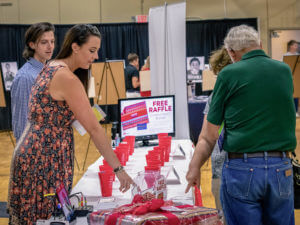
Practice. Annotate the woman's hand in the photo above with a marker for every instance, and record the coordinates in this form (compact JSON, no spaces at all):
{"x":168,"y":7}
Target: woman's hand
{"x":125,"y":180}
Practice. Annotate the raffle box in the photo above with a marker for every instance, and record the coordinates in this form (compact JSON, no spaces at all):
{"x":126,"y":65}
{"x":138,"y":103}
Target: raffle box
{"x":166,"y":215}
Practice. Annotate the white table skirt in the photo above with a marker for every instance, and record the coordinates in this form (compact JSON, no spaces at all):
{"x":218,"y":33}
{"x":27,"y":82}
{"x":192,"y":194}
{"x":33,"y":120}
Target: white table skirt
{"x":89,"y":184}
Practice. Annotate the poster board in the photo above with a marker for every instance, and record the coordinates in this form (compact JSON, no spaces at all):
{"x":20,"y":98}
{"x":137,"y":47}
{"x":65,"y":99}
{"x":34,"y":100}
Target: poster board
{"x":294,"y":63}
{"x":110,"y":80}
{"x":9,"y":71}
{"x":195,"y":66}
{"x":2,"y":94}
{"x":145,"y":80}
{"x":209,"y":80}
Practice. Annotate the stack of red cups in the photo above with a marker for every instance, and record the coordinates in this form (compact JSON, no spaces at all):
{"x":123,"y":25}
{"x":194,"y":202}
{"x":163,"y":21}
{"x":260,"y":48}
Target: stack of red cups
{"x":106,"y":176}
{"x":125,"y":149}
{"x":164,"y":142}
{"x":130,"y":140}
{"x":160,"y":154}
{"x":122,"y":152}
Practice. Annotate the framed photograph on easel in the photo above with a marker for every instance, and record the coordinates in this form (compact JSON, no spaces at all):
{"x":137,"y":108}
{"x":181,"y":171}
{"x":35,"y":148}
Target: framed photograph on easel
{"x":9,"y":71}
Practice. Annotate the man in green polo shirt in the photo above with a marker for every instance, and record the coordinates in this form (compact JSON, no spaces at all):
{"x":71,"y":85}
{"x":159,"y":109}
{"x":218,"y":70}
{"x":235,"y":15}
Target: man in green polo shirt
{"x":254,"y":98}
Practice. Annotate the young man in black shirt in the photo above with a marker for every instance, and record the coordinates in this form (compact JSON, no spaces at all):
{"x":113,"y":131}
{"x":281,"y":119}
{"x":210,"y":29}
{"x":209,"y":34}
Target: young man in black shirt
{"x":132,"y":79}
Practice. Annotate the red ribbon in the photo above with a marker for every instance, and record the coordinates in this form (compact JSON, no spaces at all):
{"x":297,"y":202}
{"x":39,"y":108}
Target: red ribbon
{"x":140,"y":206}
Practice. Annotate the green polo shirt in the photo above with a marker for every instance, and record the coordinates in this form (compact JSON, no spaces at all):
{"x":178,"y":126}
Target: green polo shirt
{"x":254,"y":97}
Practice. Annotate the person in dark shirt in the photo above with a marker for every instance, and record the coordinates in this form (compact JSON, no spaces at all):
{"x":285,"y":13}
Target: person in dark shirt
{"x":132,"y":78}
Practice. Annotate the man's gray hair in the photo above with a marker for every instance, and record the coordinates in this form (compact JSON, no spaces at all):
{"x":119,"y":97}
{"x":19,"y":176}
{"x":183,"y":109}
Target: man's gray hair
{"x":241,"y":37}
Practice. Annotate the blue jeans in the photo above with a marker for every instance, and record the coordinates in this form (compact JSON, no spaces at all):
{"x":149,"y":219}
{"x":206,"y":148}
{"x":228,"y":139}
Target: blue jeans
{"x":257,"y":191}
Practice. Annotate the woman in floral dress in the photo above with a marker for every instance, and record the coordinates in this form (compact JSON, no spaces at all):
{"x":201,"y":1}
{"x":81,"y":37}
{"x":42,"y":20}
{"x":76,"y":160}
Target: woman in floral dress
{"x":43,"y":158}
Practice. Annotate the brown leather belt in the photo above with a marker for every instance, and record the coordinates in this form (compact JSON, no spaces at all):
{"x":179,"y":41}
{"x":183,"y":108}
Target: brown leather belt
{"x":232,"y":155}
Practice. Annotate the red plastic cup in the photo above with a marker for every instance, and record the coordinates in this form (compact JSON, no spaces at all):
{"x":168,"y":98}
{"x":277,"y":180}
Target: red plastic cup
{"x":124,"y":148}
{"x":122,"y":157}
{"x":164,"y":149}
{"x":124,"y":151}
{"x":152,"y":168}
{"x":161,"y":151}
{"x":165,"y":139}
{"x":105,"y":168}
{"x":106,"y":181}
{"x":153,"y":162}
{"x":167,"y":151}
{"x":165,"y":143}
{"x":124,"y":145}
{"x":153,"y":152}
{"x":153,"y":157}
{"x":160,"y":135}
{"x":131,"y":141}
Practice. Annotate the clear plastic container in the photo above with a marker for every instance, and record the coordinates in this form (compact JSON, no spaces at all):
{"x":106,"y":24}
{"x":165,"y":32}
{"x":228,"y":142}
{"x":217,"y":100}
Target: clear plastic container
{"x":150,"y":184}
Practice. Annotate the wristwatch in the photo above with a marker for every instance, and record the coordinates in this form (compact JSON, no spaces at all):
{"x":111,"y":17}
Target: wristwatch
{"x":118,"y":169}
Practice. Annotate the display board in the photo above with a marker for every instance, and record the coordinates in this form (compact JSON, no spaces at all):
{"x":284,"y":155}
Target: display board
{"x":145,"y":80}
{"x":2,"y":95}
{"x":109,"y":82}
{"x":9,"y":71}
{"x":294,"y":63}
{"x":144,"y":118}
{"x":194,"y":68}
{"x":209,"y":80}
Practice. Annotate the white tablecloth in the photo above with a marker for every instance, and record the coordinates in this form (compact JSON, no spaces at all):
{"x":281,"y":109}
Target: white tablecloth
{"x":89,"y":184}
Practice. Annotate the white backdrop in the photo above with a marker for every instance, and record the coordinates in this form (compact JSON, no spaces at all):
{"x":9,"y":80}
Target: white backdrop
{"x":167,"y":44}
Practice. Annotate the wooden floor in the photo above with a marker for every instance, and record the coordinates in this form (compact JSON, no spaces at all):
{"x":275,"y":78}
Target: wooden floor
{"x":81,"y":144}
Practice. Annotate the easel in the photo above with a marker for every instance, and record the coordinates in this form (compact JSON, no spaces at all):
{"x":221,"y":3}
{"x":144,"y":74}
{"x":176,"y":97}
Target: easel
{"x":294,"y":63}
{"x":3,"y":104}
{"x":108,"y":77}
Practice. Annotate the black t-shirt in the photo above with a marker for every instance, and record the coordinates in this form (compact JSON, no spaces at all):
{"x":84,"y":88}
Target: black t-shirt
{"x":131,"y":71}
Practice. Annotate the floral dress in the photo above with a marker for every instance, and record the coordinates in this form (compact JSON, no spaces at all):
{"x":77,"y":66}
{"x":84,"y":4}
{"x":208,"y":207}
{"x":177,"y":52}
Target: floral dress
{"x":43,"y":157}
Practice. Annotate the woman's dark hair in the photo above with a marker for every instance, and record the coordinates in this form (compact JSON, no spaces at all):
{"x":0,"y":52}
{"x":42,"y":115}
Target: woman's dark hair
{"x":78,"y":34}
{"x":33,"y":33}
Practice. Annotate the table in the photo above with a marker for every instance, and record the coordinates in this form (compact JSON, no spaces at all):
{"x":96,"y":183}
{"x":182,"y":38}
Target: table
{"x":89,"y":184}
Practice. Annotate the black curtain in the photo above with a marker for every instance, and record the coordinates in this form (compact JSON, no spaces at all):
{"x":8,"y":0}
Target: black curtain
{"x":202,"y":37}
{"x":118,"y":40}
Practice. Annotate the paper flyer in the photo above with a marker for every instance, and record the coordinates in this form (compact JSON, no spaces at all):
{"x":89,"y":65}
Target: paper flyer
{"x":99,"y":115}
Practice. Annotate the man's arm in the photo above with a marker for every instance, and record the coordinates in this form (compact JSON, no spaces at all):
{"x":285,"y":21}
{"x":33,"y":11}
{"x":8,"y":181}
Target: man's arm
{"x":135,"y":82}
{"x":135,"y":79}
{"x":206,"y":142}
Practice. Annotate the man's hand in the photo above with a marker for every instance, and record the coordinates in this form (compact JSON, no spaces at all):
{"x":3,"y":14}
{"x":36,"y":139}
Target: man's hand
{"x":193,"y":177}
{"x":207,"y":140}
